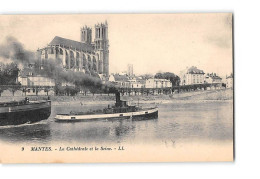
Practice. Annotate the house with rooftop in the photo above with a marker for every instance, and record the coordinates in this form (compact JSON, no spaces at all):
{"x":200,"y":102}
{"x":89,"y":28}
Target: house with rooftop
{"x":229,"y":81}
{"x":212,"y":78}
{"x":191,"y":76}
{"x":125,"y":81}
{"x":34,"y":83}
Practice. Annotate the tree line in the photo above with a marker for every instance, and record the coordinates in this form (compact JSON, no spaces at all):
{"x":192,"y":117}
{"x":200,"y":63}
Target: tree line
{"x":9,"y":74}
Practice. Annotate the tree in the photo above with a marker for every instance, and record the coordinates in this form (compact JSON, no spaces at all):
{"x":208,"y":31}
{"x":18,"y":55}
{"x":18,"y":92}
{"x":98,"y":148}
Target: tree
{"x":169,"y":76}
{"x":2,"y":88}
{"x":8,"y":74}
{"x":47,"y":89}
{"x":147,"y":76}
{"x":15,"y":88}
{"x":93,"y":90}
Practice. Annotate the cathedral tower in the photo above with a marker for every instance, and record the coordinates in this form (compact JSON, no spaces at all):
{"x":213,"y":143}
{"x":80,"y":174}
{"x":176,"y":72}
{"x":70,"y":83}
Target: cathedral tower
{"x":86,"y":35}
{"x":101,"y":44}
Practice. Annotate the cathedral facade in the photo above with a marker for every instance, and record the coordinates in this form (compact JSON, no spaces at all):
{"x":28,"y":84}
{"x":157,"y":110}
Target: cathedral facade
{"x":85,"y":56}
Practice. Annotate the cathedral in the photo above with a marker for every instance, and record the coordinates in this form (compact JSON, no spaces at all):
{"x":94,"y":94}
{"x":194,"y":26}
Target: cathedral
{"x":85,"y":56}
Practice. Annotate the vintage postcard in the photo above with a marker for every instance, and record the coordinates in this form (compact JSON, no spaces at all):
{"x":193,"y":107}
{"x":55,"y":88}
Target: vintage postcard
{"x":93,"y":88}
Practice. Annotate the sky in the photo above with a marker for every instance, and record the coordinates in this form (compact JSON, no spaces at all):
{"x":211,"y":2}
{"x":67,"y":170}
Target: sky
{"x":151,"y":42}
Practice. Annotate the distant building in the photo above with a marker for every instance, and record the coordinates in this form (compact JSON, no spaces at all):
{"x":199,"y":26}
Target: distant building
{"x":191,"y":76}
{"x":130,"y":70}
{"x":212,"y":78}
{"x":28,"y":77}
{"x":229,"y":81}
{"x":32,"y":81}
{"x":38,"y":80}
{"x":123,"y":73}
{"x":158,"y":83}
{"x":119,"y":80}
{"x":137,"y":82}
{"x":124,"y":81}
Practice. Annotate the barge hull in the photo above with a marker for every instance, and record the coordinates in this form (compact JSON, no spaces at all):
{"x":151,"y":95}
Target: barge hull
{"x":143,"y":115}
{"x":25,"y":116}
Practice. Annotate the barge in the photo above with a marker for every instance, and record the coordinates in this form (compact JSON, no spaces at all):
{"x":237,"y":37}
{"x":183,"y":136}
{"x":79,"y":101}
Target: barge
{"x":24,"y":111}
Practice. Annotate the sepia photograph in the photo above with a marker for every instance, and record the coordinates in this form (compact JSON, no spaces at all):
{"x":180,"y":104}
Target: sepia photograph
{"x":105,"y":88}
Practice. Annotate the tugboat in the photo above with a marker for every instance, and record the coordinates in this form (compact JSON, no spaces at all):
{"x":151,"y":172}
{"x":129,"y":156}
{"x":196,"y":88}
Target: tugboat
{"x":24,"y":111}
{"x":119,"y":111}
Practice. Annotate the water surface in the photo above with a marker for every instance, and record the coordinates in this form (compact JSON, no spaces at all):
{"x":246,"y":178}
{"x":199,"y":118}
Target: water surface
{"x":177,"y":122}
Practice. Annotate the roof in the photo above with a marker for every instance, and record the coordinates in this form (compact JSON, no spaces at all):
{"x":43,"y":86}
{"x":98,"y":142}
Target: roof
{"x":213,"y":76}
{"x":120,"y":77}
{"x":195,"y":70}
{"x":30,"y":72}
{"x":141,"y":81}
{"x":158,"y":79}
{"x":230,"y":76}
{"x":72,"y":44}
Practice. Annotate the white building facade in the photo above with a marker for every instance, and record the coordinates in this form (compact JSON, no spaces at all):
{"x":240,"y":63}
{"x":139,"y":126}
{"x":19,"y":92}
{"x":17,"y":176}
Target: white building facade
{"x":191,"y":76}
{"x":229,"y":82}
{"x":35,"y":84}
{"x":125,"y":81}
{"x":158,"y":83}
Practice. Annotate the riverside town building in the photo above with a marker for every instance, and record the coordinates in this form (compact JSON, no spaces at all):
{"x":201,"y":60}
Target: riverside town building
{"x":191,"y":76}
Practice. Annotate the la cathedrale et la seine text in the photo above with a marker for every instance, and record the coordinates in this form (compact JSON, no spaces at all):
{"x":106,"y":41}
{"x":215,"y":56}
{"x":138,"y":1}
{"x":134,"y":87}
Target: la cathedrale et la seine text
{"x":95,"y":148}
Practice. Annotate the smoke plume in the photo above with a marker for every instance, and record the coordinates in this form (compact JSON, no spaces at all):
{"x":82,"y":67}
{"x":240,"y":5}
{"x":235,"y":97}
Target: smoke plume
{"x":13,"y":50}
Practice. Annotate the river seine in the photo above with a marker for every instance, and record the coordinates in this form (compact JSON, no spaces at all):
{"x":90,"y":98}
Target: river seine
{"x":187,"y":121}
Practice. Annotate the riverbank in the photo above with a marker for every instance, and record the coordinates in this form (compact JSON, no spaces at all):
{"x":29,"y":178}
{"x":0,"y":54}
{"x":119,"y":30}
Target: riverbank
{"x":195,"y":96}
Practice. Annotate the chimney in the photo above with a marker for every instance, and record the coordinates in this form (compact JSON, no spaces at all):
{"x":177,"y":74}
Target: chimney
{"x":118,"y":101}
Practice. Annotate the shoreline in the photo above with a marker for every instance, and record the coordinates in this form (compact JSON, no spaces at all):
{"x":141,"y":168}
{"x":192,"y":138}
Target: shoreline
{"x":156,"y":102}
{"x":188,"y":97}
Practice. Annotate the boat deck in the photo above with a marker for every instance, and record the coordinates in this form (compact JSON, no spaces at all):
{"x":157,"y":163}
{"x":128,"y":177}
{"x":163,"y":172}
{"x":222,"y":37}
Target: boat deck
{"x":144,"y":113}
